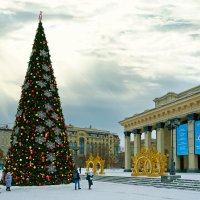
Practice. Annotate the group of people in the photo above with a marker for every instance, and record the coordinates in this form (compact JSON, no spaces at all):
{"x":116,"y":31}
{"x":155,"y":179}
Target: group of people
{"x":89,"y":178}
{"x":77,"y":178}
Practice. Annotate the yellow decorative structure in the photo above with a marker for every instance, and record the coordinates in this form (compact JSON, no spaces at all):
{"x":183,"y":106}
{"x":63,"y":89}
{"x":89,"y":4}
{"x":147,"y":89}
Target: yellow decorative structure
{"x":149,"y":162}
{"x":94,"y":162}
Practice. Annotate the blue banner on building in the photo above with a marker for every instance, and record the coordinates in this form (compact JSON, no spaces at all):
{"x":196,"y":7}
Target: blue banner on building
{"x":197,"y":137}
{"x":182,"y":140}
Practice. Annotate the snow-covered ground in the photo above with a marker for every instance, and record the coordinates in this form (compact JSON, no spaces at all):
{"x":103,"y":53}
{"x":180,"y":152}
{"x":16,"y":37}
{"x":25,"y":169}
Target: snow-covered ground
{"x":119,"y":172}
{"x":100,"y":190}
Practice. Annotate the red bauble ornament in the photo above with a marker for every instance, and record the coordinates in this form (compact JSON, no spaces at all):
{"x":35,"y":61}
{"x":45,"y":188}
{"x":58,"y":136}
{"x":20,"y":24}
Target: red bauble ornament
{"x":48,"y":178}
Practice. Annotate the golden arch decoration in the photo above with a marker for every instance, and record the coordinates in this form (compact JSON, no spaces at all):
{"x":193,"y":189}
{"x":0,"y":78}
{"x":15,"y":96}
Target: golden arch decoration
{"x":95,"y":161}
{"x":149,"y":162}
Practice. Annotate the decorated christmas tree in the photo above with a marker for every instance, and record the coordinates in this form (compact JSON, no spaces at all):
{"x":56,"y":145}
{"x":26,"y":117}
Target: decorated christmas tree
{"x":39,"y":152}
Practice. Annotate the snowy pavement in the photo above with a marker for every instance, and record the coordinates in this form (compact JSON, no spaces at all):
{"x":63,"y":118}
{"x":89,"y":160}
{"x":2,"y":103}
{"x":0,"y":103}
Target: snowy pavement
{"x":100,"y":190}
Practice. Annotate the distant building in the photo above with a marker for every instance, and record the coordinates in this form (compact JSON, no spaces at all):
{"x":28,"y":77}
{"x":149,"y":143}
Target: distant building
{"x":93,"y":141}
{"x":88,"y":141}
{"x":5,"y":134}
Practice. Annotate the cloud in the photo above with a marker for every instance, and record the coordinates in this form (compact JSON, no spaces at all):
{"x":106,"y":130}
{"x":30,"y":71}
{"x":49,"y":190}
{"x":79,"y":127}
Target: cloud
{"x":19,"y":13}
{"x":110,"y":59}
{"x":195,"y":36}
{"x":8,"y":109}
{"x":181,"y":26}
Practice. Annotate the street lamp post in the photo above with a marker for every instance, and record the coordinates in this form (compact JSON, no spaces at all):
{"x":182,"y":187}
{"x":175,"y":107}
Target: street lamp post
{"x":75,"y":149}
{"x":171,"y":124}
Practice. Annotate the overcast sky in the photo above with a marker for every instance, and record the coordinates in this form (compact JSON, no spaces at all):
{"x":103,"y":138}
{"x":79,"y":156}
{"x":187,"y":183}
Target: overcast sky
{"x":111,"y":58}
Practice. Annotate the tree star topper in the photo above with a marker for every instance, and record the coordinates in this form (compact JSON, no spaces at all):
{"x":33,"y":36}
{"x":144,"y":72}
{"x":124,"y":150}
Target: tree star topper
{"x":40,"y":16}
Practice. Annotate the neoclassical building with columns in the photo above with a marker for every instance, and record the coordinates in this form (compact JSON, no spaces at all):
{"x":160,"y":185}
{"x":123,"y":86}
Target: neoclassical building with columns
{"x":182,"y":140}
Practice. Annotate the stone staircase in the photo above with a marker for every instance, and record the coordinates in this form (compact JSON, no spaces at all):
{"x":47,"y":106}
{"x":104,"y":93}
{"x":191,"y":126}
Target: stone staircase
{"x":182,"y":184}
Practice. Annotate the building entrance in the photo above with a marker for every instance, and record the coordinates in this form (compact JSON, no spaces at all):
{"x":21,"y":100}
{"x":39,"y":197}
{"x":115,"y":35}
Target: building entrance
{"x":181,"y":163}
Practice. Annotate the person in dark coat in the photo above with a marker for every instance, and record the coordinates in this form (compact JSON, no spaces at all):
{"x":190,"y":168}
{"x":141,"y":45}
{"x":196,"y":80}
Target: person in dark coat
{"x":77,"y":179}
{"x":8,"y":180}
{"x":90,"y":178}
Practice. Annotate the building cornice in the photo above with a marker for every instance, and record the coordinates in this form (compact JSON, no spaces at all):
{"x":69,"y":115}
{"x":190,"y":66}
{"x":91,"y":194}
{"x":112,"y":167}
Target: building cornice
{"x":178,"y":108}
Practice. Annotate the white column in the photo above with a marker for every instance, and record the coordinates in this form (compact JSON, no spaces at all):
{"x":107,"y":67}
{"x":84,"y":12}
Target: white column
{"x":137,"y":141}
{"x":160,"y":139}
{"x":147,"y":137}
{"x":127,"y":151}
{"x":192,"y":158}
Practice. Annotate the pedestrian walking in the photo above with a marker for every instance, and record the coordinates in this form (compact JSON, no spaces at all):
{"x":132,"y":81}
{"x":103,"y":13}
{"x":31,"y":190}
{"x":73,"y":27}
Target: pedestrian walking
{"x":8,"y":180}
{"x":90,"y":179}
{"x":77,"y":179}
{"x":80,"y":169}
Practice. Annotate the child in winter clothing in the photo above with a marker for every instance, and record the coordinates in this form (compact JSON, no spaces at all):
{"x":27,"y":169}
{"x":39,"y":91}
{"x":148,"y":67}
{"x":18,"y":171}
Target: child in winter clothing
{"x":8,"y":180}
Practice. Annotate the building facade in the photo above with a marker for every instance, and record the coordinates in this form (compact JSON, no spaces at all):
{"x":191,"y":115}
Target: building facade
{"x":181,"y":139}
{"x":86,"y":141}
{"x":5,"y":134}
